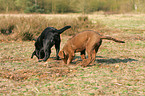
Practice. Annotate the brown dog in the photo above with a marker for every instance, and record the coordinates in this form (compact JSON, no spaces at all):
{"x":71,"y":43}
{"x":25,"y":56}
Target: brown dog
{"x":88,"y":41}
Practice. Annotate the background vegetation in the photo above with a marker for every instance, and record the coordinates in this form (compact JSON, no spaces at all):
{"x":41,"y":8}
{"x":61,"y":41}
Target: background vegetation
{"x":71,"y":6}
{"x":29,"y":27}
{"x":118,"y":69}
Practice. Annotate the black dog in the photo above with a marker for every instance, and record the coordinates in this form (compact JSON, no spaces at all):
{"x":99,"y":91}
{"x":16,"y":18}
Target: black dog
{"x":49,"y":37}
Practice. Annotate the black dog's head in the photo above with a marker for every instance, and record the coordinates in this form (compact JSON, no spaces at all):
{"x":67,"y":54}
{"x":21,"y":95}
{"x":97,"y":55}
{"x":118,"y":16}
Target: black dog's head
{"x":39,"y":53}
{"x":48,"y":42}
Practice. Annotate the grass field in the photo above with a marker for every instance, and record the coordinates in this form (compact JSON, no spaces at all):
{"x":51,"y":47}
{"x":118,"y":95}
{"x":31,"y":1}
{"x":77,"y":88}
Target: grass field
{"x":119,"y":69}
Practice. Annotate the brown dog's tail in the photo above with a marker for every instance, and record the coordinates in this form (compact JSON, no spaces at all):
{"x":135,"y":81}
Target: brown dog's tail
{"x":110,"y":38}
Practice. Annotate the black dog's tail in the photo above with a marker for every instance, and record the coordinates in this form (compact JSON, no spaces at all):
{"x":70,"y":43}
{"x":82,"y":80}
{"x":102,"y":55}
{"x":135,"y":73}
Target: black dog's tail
{"x":63,"y":29}
{"x":110,"y":38}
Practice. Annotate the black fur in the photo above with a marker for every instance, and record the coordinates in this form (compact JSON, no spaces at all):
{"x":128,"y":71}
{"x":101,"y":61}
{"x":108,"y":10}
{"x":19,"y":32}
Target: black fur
{"x":49,"y":37}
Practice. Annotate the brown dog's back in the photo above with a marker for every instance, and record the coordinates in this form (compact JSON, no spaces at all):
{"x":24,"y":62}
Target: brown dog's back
{"x":80,"y":40}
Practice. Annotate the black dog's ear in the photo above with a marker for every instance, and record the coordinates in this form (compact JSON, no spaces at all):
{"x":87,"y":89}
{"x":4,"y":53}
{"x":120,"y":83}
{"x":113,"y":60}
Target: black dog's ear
{"x":61,"y":54}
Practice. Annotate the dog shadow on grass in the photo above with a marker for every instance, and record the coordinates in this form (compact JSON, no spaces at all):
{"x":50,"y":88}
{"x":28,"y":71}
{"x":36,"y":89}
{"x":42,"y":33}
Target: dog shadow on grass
{"x":99,"y":60}
{"x":103,"y":60}
{"x":115,"y":60}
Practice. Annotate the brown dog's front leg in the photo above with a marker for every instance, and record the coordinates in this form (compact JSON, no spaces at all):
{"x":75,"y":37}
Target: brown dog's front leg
{"x":90,"y":59}
{"x":70,"y":58}
{"x":65,"y":60}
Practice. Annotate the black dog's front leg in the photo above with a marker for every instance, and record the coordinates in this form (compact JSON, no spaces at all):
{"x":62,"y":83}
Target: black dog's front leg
{"x":34,"y":53}
{"x":57,"y":47}
{"x":41,"y":53}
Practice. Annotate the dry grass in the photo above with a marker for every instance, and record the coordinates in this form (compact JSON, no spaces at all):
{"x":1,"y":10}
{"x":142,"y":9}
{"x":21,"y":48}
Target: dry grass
{"x":29,"y":27}
{"x":118,"y":70}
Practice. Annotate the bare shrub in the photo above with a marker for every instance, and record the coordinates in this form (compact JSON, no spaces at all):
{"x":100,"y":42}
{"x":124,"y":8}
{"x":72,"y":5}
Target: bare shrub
{"x":26,"y":28}
{"x":77,"y":24}
{"x":29,"y":27}
{"x":22,"y":28}
{"x":6,"y":24}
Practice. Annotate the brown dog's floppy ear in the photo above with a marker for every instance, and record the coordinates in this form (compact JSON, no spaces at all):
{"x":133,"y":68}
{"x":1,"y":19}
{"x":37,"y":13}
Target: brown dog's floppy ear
{"x":61,"y":54}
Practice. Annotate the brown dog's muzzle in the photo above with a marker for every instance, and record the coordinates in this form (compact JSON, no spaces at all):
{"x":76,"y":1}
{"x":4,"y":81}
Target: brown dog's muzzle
{"x":63,"y":56}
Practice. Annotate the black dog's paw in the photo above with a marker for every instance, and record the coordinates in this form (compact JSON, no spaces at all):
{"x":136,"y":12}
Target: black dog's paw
{"x":40,"y":60}
{"x":31,"y":57}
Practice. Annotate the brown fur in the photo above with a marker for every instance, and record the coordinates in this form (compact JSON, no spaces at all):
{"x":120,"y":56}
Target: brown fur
{"x":88,"y":41}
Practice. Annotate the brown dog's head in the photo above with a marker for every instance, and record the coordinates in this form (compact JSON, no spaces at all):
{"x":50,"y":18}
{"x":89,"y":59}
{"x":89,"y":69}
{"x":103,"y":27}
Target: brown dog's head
{"x":63,"y":56}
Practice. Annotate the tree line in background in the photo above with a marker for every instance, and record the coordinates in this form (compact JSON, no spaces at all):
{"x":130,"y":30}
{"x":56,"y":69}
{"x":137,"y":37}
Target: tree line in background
{"x":71,"y":6}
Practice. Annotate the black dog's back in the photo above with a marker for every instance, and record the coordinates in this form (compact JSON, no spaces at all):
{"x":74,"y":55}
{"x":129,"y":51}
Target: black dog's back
{"x":47,"y":31}
{"x":51,"y":30}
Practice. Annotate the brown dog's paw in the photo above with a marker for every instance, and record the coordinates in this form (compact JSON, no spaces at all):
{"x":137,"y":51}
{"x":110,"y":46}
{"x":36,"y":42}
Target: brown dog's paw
{"x":84,"y":63}
{"x":79,"y":63}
